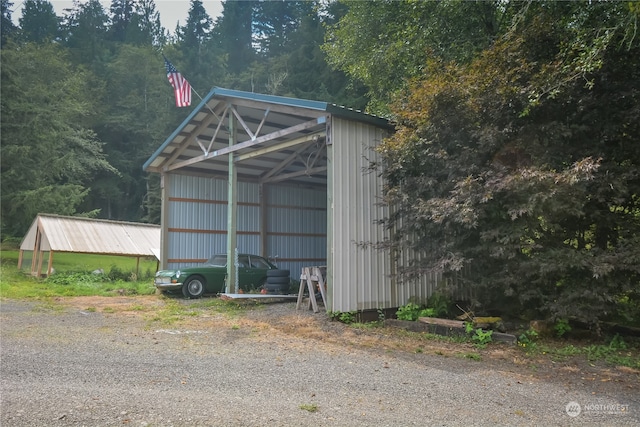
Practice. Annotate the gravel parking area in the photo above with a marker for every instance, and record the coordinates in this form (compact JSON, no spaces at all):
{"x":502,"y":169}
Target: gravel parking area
{"x":64,"y":364}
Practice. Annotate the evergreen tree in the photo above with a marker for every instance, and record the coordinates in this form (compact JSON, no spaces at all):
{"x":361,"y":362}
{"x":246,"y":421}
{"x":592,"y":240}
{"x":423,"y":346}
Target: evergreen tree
{"x":233,"y":34}
{"x":6,"y":25}
{"x":139,"y":113}
{"x":122,"y":12}
{"x":85,"y":29}
{"x":274,"y":23}
{"x":39,"y":22}
{"x":309,"y":74}
{"x":49,"y":154}
{"x":147,"y":29}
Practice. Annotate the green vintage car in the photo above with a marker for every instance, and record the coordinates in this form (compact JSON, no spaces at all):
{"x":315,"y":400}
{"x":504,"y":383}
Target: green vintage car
{"x":210,"y":277}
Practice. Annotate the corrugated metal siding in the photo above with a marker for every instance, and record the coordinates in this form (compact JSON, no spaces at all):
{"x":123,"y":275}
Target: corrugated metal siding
{"x":358,"y":274}
{"x":297,"y":227}
{"x":197,"y":222}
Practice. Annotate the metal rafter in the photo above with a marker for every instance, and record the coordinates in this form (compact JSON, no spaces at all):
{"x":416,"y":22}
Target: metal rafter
{"x":248,"y":144}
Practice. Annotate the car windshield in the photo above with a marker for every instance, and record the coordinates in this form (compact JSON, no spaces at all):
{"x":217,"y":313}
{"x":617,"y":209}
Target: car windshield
{"x":217,"y":261}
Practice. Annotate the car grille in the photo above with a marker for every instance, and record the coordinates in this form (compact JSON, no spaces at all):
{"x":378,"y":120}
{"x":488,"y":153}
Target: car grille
{"x":163,"y":280}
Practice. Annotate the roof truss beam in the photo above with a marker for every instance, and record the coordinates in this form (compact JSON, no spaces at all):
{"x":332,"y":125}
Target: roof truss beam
{"x":248,"y":144}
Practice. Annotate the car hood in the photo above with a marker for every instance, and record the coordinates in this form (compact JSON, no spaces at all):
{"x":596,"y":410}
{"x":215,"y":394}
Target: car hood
{"x":185,"y":270}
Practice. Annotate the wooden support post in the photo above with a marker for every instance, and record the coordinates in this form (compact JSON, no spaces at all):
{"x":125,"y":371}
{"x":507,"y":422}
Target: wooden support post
{"x":41,"y":256}
{"x":34,"y":256}
{"x":50,"y":264}
{"x":232,"y":211}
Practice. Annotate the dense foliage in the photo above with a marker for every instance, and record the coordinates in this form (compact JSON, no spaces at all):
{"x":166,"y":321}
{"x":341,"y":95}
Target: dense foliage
{"x":521,"y":167}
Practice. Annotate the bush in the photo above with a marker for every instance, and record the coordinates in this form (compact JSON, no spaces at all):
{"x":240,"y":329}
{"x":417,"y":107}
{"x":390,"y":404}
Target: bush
{"x":410,"y":311}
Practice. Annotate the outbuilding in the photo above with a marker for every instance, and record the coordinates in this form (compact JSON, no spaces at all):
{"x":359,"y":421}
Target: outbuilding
{"x":289,"y":179}
{"x":50,"y":233}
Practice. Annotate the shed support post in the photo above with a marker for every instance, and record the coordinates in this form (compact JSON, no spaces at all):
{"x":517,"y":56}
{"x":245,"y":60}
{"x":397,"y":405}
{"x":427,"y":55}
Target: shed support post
{"x":165,"y":185}
{"x":50,"y":264}
{"x":330,"y":229}
{"x":232,"y":217}
{"x":263,"y":220}
{"x":36,"y":253}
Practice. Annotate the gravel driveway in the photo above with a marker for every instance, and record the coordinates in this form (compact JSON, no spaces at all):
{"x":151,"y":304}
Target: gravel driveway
{"x":63,"y":365}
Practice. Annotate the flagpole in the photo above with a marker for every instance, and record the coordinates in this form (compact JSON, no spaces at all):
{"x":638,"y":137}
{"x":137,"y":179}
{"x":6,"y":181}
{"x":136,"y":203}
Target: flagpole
{"x":209,"y":108}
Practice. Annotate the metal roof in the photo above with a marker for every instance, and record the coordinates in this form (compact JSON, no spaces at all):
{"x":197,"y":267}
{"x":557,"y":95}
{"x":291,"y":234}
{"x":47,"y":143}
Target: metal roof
{"x":86,"y":235}
{"x":277,"y":138}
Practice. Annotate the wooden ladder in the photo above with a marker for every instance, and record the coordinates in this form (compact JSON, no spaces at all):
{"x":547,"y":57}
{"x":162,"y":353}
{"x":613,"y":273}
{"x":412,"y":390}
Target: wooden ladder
{"x":311,"y":278}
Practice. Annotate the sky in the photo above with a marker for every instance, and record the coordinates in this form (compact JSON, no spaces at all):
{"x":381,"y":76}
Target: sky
{"x":171,"y":11}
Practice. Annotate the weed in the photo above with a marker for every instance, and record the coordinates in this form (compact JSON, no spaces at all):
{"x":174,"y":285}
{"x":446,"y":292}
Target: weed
{"x":527,"y":340}
{"x":439,"y":304}
{"x":617,"y":352}
{"x":478,"y":335}
{"x":410,"y":311}
{"x":347,"y":317}
{"x":613,"y":353}
{"x":472,"y":356}
{"x":367,"y":325}
{"x":561,"y":327}
{"x":309,"y":407}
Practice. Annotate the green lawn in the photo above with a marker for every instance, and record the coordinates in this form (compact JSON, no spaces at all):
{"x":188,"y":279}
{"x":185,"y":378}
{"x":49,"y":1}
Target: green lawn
{"x":73,"y":276}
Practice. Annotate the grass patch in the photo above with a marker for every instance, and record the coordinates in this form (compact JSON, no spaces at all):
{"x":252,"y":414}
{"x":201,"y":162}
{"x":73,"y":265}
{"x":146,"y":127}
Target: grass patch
{"x":175,"y":310}
{"x":309,"y":407}
{"x":614,"y":351}
{"x":71,"y":262}
{"x":472,"y":356}
{"x":17,"y":284}
{"x":171,"y":312}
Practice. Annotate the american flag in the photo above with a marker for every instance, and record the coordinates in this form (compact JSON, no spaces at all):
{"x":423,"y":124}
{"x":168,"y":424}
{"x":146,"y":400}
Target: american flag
{"x":181,"y":86}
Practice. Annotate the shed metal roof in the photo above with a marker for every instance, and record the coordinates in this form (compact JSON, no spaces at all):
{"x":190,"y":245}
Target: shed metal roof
{"x":86,"y":235}
{"x":277,"y":138}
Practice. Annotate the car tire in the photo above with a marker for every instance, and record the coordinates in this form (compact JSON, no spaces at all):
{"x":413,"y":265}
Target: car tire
{"x":278,"y":280}
{"x":193,"y":287}
{"x":278,"y":273}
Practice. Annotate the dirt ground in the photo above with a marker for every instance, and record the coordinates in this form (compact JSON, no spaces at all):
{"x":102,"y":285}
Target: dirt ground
{"x":279,"y":320}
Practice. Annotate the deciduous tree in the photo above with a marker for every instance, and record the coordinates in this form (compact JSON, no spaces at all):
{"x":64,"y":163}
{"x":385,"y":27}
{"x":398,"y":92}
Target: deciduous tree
{"x":521,"y":168}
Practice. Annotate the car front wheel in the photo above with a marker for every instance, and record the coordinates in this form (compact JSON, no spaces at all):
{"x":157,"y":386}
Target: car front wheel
{"x":193,"y":287}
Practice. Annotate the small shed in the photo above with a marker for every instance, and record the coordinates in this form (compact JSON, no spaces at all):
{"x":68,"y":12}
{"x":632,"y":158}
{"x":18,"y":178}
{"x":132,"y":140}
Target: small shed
{"x":54,"y":233}
{"x":289,"y":179}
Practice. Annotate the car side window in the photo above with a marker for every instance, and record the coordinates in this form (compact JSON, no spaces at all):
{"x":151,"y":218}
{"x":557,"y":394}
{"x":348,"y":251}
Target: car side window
{"x":258,"y":263}
{"x":243,"y":261}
